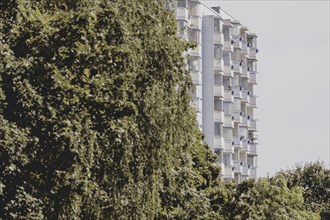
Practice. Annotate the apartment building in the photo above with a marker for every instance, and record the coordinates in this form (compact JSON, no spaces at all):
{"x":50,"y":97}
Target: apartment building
{"x":223,"y":67}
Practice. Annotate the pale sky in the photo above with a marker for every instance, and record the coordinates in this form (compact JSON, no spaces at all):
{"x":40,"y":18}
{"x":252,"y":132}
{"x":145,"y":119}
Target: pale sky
{"x":293,"y":79}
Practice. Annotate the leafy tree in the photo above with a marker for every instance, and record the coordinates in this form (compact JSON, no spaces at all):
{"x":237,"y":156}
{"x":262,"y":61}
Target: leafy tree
{"x":314,"y":177}
{"x":95,"y":114}
{"x":266,"y":198}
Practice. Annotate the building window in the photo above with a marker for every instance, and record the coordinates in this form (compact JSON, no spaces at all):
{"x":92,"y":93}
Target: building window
{"x":182,"y":3}
{"x":228,"y":108}
{"x":217,"y":129}
{"x":216,"y":25}
{"x":217,"y":51}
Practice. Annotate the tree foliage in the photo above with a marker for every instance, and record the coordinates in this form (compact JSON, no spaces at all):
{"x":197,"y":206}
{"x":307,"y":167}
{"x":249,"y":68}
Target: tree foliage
{"x":95,"y":113}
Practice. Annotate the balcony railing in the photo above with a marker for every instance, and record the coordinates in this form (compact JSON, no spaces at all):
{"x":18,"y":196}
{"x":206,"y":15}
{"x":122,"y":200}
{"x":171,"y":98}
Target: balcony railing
{"x":197,"y":105}
{"x":253,"y":172}
{"x":196,"y":77}
{"x":238,"y":166}
{"x":228,"y":45}
{"x":229,"y":121}
{"x":245,"y":72}
{"x":252,"y":77}
{"x":218,"y":38}
{"x":245,"y":48}
{"x":229,"y":96}
{"x":219,"y":142}
{"x":227,"y":172}
{"x":228,"y":146}
{"x":195,"y":22}
{"x":218,"y":64}
{"x":245,"y":96}
{"x":238,"y":92}
{"x":219,"y":91}
{"x":245,"y":121}
{"x":253,"y":101}
{"x":219,"y":116}
{"x":237,"y":42}
{"x":237,"y":66}
{"x":245,"y":170}
{"x":228,"y":70}
{"x":237,"y":116}
{"x":196,"y":51}
{"x":245,"y":144}
{"x":253,"y":124}
{"x":253,"y":148}
{"x":182,"y":13}
{"x":253,"y":53}
{"x":238,"y":143}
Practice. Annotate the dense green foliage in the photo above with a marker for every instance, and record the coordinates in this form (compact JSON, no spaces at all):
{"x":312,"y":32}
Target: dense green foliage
{"x":95,"y":114}
{"x":96,"y":123}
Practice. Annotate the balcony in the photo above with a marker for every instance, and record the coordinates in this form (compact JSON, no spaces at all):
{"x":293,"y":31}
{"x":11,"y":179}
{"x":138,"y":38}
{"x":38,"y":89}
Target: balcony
{"x":237,"y":42}
{"x":218,"y":38}
{"x":228,"y":70}
{"x":245,"y":49}
{"x":238,"y":166}
{"x":219,"y":116}
{"x":252,"y":124}
{"x":245,"y":72}
{"x":237,"y":66}
{"x":238,"y":117}
{"x":195,"y":22}
{"x":219,"y":142}
{"x":229,"y":96}
{"x":228,"y":147}
{"x":253,"y":101}
{"x":252,"y":148}
{"x":237,"y":92}
{"x":245,"y":96}
{"x":182,"y":13}
{"x":238,"y":143}
{"x":197,"y":105}
{"x":253,"y":172}
{"x":219,"y":91}
{"x":245,"y":144}
{"x":229,"y":122}
{"x":227,"y":172}
{"x":196,"y":51}
{"x":245,"y":121}
{"x":218,"y":64}
{"x":253,"y":53}
{"x":196,"y":77}
{"x":228,"y":45}
{"x":245,"y":170}
{"x":252,"y":77}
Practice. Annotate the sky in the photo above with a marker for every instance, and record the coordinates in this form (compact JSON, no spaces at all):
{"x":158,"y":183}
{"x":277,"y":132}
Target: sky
{"x":293,"y":79}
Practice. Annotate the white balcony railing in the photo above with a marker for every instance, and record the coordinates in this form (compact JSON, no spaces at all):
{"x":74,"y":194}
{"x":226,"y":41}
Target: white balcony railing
{"x":218,"y":64}
{"x":197,"y":105}
{"x":245,"y":48}
{"x":219,"y":142}
{"x":238,"y":143}
{"x":245,"y":144}
{"x":253,"y":124}
{"x":245,"y":96}
{"x":253,"y":101}
{"x":238,"y":92}
{"x":182,"y":13}
{"x":218,"y":38}
{"x":227,"y":172}
{"x":253,"y":172}
{"x":253,"y":53}
{"x":196,"y":51}
{"x":219,"y":91}
{"x":228,"y":45}
{"x":229,"y":97}
{"x":252,"y":77}
{"x":196,"y":77}
{"x":237,"y":116}
{"x":219,"y":116}
{"x":195,"y":22}
{"x":228,"y":146}
{"x":237,"y":65}
{"x":228,"y":70}
{"x":245,"y":170}
{"x":253,"y":148}
{"x":238,"y":166}
{"x":245,"y":121}
{"x":245,"y":72}
{"x":229,"y":122}
{"x":237,"y":42}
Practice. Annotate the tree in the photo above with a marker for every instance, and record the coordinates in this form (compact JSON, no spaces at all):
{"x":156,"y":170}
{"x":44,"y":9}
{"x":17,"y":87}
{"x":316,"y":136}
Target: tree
{"x":314,"y":178}
{"x":266,"y":198}
{"x":95,"y":114}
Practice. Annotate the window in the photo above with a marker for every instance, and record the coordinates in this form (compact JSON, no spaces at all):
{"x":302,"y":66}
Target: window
{"x":181,"y":27}
{"x":228,"y":108}
{"x":194,"y":36}
{"x":217,"y":51}
{"x":216,"y":25}
{"x":228,"y":133}
{"x":218,"y":105}
{"x":182,"y":3}
{"x":217,"y":129}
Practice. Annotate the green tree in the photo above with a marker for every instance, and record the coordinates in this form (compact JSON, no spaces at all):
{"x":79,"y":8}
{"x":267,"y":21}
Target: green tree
{"x":95,"y":114}
{"x":314,"y":177}
{"x":266,"y":198}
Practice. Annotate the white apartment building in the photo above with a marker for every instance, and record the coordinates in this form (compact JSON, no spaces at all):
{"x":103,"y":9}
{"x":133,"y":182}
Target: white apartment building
{"x":223,"y":67}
